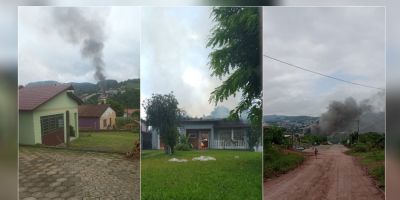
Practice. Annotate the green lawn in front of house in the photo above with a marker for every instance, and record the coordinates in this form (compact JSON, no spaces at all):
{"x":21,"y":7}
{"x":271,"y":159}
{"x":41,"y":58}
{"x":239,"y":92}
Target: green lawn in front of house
{"x":112,"y":141}
{"x":233,"y":175}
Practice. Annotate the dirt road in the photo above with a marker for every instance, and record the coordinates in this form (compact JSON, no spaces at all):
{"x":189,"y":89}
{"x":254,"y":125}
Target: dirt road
{"x":333,"y":175}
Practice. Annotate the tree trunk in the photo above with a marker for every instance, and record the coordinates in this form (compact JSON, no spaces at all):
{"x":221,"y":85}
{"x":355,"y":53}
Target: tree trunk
{"x":167,"y":150}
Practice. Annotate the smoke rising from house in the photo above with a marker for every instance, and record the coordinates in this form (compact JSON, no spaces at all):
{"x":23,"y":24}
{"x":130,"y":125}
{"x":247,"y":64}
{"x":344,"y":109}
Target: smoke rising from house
{"x":346,"y":116}
{"x":219,"y":112}
{"x":88,"y":32}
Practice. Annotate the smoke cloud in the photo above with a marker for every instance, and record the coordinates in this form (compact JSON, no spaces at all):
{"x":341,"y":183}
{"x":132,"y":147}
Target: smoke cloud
{"x":78,"y":29}
{"x":347,"y":115}
{"x":219,"y":112}
{"x":342,"y":116}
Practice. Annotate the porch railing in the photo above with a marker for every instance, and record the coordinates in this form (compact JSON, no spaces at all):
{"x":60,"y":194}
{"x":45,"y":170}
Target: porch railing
{"x":228,"y":144}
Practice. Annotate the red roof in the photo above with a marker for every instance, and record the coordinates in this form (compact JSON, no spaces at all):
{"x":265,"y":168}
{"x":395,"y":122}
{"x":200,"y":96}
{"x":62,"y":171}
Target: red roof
{"x":32,"y":97}
{"x":92,"y":110}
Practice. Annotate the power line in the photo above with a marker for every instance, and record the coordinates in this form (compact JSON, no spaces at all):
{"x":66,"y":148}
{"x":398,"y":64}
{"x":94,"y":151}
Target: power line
{"x":338,"y":79}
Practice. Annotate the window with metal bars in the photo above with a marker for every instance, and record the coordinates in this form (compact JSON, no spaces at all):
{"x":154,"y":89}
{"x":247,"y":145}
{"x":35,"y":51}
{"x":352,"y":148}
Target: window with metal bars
{"x":238,"y":134}
{"x":51,"y":123}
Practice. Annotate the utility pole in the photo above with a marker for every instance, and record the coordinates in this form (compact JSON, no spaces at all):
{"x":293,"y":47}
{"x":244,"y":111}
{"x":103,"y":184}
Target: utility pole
{"x":358,"y":129}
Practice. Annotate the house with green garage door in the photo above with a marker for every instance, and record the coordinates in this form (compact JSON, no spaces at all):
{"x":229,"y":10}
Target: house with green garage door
{"x":48,"y":114}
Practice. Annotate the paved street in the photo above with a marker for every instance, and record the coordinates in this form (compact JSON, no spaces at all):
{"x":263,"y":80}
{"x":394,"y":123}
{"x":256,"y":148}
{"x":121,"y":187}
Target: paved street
{"x":62,"y":174}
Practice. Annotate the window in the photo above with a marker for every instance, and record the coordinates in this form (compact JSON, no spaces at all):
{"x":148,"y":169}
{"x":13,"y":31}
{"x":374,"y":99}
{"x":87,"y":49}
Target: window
{"x":238,"y":134}
{"x":223,"y":134}
{"x":51,"y":123}
{"x":104,"y":122}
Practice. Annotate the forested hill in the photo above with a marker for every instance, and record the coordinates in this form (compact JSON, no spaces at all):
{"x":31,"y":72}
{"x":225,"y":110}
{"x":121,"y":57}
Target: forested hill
{"x":285,"y":118}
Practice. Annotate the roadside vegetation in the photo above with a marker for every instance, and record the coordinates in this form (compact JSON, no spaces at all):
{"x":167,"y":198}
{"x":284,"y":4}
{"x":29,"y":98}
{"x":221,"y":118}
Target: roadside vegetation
{"x":277,"y":158}
{"x":128,"y":123}
{"x":314,"y":139}
{"x":369,"y":148}
{"x":113,"y":141}
{"x":233,"y":175}
{"x":278,"y":161}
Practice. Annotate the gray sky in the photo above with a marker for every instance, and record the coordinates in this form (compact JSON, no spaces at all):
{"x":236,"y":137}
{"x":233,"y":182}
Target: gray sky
{"x":174,"y":57}
{"x":348,"y":43}
{"x":45,"y":55}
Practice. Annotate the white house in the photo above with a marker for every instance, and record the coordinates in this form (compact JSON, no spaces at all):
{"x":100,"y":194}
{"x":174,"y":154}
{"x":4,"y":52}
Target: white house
{"x":209,"y":134}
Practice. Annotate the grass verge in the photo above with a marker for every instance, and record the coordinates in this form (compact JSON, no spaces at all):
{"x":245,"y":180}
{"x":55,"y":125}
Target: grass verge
{"x":120,"y":142}
{"x":233,"y":175}
{"x":278,"y":161}
{"x":374,"y":161}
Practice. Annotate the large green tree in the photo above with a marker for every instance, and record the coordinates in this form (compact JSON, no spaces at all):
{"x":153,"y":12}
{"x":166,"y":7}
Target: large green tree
{"x":162,"y":114}
{"x":274,"y":135}
{"x":116,"y":106}
{"x":236,"y":59}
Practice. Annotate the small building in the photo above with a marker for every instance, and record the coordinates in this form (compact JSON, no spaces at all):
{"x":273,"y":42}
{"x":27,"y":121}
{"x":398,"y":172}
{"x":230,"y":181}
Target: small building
{"x":145,"y":137}
{"x":48,"y":114}
{"x":210,"y":134}
{"x":96,"y":117}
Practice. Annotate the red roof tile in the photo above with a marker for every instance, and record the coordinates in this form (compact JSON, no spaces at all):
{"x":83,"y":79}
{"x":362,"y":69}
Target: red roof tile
{"x":32,"y":97}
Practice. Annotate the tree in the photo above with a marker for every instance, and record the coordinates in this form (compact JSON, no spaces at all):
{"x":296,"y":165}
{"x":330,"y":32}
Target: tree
{"x":274,"y":135}
{"x":236,"y":58}
{"x":135,"y":115}
{"x":129,"y":99}
{"x":116,"y":106}
{"x":162,"y":114}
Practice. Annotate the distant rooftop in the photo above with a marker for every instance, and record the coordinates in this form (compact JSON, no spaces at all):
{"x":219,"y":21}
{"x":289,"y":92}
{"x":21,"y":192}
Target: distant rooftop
{"x":92,"y":110}
{"x":218,"y":123}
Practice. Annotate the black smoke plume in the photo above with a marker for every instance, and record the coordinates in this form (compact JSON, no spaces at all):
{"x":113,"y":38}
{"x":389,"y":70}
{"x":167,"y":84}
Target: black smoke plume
{"x":342,"y":116}
{"x":79,"y":29}
{"x":349,"y":116}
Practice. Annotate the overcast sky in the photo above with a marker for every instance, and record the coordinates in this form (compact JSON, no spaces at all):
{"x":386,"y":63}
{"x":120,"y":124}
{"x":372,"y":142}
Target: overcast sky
{"x":174,"y":57}
{"x":348,"y":43}
{"x":45,"y":55}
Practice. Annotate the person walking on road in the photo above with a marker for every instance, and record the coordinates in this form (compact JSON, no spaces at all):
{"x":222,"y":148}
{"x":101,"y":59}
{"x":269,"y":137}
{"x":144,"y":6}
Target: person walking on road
{"x":315,"y":152}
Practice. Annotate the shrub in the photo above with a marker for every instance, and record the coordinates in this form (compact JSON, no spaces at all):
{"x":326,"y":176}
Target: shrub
{"x":126,"y":123}
{"x":373,"y":140}
{"x":360,"y":147}
{"x":379,"y":174}
{"x":183,"y":147}
{"x":275,"y":134}
{"x":183,"y":144}
{"x":277,"y":161}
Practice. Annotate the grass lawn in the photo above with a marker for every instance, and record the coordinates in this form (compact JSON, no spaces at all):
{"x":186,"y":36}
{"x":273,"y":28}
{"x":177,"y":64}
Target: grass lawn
{"x":277,"y":161}
{"x":234,"y":175}
{"x":121,"y":142}
{"x":375,"y":162}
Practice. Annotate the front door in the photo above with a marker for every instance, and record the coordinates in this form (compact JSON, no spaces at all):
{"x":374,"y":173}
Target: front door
{"x":193,"y":138}
{"x":198,"y":138}
{"x":203,"y":137}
